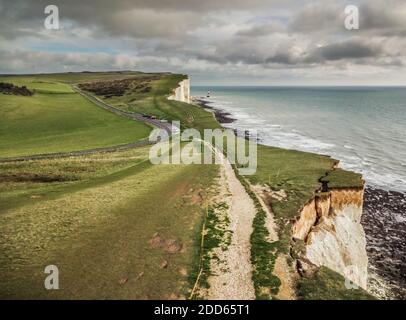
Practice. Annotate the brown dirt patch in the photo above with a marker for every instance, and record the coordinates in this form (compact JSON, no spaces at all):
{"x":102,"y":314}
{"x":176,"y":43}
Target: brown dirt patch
{"x":168,"y":245}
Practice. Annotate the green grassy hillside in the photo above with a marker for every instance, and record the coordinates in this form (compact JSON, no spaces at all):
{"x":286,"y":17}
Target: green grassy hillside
{"x":94,"y":217}
{"x":155,"y":103}
{"x":56,"y":119}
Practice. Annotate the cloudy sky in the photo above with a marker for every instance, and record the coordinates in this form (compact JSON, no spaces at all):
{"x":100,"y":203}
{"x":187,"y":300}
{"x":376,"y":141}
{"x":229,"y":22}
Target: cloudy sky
{"x":275,"y":42}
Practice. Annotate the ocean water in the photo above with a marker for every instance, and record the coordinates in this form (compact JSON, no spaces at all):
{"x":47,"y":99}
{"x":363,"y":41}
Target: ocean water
{"x":363,"y":127}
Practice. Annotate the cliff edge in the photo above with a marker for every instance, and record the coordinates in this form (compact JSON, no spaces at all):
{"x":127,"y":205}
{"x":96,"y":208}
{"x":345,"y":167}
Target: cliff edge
{"x":181,"y":92}
{"x":330,"y":228}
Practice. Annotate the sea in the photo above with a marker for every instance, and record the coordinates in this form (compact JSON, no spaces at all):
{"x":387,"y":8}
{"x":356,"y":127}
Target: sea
{"x":363,"y":127}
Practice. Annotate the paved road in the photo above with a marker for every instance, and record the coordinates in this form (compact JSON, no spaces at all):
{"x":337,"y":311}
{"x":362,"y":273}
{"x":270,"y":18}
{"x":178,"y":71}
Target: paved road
{"x":130,"y":115}
{"x":134,"y":116}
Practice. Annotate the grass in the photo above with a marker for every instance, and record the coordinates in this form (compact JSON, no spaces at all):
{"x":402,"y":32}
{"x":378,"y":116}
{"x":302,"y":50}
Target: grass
{"x":326,"y":284}
{"x":263,"y":252}
{"x":340,"y":178}
{"x":59,"y":121}
{"x":39,"y":86}
{"x":155,"y":103}
{"x":30,"y":181}
{"x":69,"y":77}
{"x":97,"y":229}
{"x":216,"y":236}
{"x":94,"y":215}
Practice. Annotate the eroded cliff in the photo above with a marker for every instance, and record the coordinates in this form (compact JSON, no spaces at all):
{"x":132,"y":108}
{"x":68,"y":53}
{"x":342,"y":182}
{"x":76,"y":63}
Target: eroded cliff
{"x":182,"y":92}
{"x":330,"y":227}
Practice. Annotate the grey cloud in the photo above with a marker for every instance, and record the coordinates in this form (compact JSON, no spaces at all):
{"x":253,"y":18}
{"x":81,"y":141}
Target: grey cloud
{"x":228,"y":35}
{"x":157,"y":19}
{"x":377,"y":17}
{"x":261,"y":30}
{"x":165,"y":17}
{"x":318,"y":17}
{"x":283,"y":58}
{"x":31,"y":62}
{"x":348,"y":50}
{"x":291,"y":55}
{"x":383,"y":15}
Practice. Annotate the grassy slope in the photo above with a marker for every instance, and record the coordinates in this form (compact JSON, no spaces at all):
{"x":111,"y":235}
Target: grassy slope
{"x":96,"y":228}
{"x":299,"y":175}
{"x":32,"y":80}
{"x":155,"y":103}
{"x":93,"y":216}
{"x":27,"y":182}
{"x":326,"y":284}
{"x":55,"y":119}
{"x":296,"y":172}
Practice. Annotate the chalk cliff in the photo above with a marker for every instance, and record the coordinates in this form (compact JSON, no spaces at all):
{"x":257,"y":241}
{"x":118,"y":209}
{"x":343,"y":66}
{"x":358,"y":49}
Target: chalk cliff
{"x":182,"y":92}
{"x":330,"y":227}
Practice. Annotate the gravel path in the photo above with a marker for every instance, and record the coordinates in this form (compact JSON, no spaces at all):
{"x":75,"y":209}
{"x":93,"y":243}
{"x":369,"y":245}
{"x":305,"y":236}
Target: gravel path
{"x":232,"y":279}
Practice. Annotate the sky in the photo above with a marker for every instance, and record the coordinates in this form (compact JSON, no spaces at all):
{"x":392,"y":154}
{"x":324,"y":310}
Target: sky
{"x":215,"y":42}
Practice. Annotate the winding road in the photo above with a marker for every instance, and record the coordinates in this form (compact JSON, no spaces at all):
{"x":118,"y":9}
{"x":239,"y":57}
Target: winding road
{"x":133,"y":116}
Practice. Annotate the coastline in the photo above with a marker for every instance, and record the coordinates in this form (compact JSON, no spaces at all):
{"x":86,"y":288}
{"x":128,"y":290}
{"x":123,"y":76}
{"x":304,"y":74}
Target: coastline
{"x":383,"y":211}
{"x":220,"y":115}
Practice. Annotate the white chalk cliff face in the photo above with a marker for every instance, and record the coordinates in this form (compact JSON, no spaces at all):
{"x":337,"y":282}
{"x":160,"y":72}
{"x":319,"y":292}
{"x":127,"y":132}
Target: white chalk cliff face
{"x":182,"y":92}
{"x":330,"y":226}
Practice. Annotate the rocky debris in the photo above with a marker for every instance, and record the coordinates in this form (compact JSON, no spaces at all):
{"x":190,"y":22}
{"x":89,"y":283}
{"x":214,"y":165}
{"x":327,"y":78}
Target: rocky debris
{"x":305,"y":267}
{"x":168,"y":245}
{"x":117,"y":88}
{"x":384,"y":221}
{"x":164,"y":264}
{"x":221,"y":115}
{"x":9,"y":88}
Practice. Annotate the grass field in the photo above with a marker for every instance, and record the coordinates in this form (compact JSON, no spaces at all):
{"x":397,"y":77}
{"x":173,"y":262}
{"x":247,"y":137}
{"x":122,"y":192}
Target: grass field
{"x":95,"y":224}
{"x":56,"y":119}
{"x":94,"y":216}
{"x":69,"y":77}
